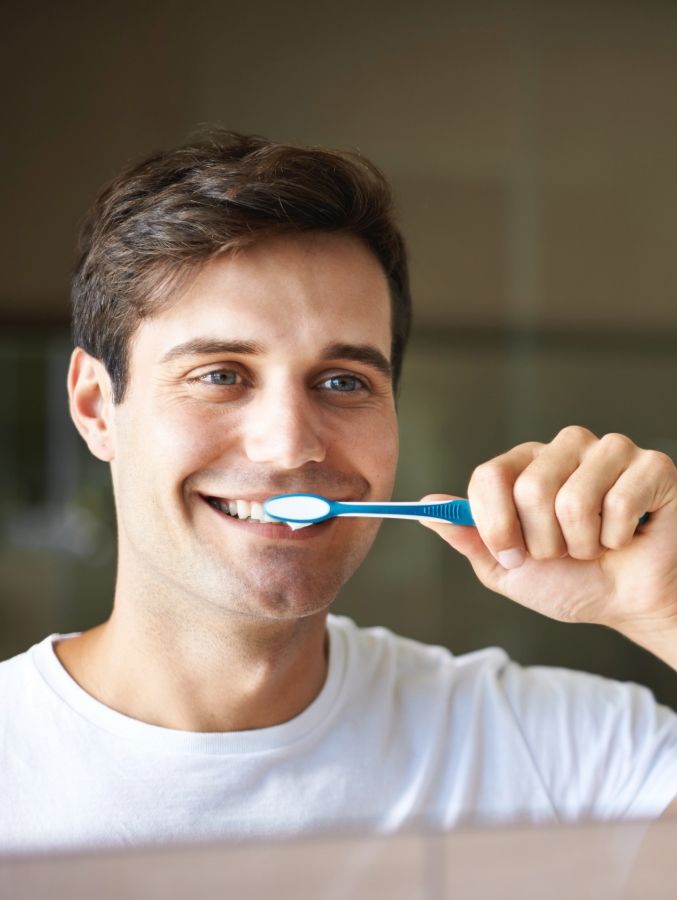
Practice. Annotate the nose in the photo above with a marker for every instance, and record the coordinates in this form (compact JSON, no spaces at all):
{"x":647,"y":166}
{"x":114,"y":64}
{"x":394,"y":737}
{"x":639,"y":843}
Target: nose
{"x":283,"y":429}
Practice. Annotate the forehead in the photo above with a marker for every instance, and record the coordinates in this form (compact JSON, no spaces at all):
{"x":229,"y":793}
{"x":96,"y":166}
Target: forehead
{"x":295,"y":292}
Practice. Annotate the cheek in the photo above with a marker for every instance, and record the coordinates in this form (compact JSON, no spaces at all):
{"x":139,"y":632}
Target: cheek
{"x":374,"y":452}
{"x":195,"y":441}
{"x":388,"y":462}
{"x":172,"y":442}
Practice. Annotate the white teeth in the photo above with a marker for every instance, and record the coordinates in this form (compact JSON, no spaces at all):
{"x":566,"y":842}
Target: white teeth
{"x":242,"y":509}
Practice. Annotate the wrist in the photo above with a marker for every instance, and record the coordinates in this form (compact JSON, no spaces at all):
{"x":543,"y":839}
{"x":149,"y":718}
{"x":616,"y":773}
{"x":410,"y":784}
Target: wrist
{"x":660,"y":639}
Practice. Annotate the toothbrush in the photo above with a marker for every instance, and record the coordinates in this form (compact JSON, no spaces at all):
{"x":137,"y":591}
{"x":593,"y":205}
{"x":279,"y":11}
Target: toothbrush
{"x":299,"y":510}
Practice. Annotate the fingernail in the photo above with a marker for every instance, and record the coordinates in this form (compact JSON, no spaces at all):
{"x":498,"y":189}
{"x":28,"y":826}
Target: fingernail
{"x":511,"y":559}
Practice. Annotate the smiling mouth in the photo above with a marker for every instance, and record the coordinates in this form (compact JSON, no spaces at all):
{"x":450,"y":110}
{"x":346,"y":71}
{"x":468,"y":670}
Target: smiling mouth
{"x":249,"y":515}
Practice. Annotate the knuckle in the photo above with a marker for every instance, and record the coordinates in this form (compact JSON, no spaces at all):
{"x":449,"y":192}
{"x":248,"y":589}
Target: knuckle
{"x":587,"y":553}
{"x":542,"y":553}
{"x":576,"y":433}
{"x":533,"y":447}
{"x":499,"y":535}
{"x":529,"y":490}
{"x":619,"y":504}
{"x":616,"y":541}
{"x":617,"y":442}
{"x":660,"y":461}
{"x":571,"y":507}
{"x":487,"y":474}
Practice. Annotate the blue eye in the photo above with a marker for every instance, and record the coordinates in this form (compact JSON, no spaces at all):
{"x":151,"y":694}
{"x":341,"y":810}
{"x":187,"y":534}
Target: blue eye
{"x":222,"y":377}
{"x":344,"y":383}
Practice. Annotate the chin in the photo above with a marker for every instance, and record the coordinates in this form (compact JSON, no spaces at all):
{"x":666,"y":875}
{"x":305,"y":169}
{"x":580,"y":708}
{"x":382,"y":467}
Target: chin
{"x":276,"y":582}
{"x":284,"y":609}
{"x":282,"y":591}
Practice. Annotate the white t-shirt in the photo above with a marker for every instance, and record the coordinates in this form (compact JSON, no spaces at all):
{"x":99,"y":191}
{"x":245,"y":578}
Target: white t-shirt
{"x":401,"y":735}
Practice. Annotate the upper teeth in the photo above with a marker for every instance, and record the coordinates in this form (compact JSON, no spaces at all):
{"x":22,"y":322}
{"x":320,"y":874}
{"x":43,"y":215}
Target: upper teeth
{"x":242,"y":509}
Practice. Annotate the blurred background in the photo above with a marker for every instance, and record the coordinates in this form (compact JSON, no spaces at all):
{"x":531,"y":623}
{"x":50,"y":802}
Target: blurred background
{"x":532,"y":148}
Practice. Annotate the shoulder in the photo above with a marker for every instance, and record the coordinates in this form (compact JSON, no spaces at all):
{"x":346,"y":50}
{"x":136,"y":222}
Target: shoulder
{"x":20,"y":674}
{"x":616,"y":726}
{"x":581,"y":696}
{"x":14,"y":669}
{"x":529,"y":695}
{"x":17,"y":689}
{"x":378,"y":654}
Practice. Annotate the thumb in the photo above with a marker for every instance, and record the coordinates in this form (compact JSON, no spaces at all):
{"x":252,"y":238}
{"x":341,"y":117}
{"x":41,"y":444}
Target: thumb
{"x":463,"y":538}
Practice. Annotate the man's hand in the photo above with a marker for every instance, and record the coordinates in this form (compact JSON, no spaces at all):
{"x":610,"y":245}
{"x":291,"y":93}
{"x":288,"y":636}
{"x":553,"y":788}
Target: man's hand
{"x":557,"y":531}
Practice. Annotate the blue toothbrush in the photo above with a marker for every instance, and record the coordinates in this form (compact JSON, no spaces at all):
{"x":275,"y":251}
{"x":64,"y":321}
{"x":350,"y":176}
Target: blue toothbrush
{"x":306,"y":509}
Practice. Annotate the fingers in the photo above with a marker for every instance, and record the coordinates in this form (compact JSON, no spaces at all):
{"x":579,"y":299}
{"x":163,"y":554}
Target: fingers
{"x":490,"y":493}
{"x":643,"y":487}
{"x":463,"y":539}
{"x":589,"y":493}
{"x":537,"y":490}
{"x":579,"y":496}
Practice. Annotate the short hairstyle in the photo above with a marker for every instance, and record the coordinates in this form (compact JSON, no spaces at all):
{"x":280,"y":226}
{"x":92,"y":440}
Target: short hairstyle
{"x":158,"y":221}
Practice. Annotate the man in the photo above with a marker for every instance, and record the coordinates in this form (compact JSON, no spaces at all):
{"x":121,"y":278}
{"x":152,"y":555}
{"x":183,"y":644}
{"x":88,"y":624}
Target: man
{"x":240,"y":313}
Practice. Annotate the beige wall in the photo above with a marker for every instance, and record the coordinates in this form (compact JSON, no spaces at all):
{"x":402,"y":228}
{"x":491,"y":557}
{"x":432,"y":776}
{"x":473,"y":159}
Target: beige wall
{"x":532,"y":146}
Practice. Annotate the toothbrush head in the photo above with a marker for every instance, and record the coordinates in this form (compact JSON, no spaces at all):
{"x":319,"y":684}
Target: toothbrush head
{"x":298,"y":510}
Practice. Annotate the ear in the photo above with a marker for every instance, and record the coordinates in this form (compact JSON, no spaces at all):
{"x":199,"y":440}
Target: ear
{"x":90,"y":395}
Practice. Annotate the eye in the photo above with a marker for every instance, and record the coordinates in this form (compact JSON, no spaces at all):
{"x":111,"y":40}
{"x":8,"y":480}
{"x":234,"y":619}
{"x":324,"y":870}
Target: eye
{"x":221,"y":378}
{"x":343,"y":384}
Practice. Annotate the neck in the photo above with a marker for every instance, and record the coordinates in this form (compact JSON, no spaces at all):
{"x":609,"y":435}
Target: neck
{"x":225,"y":672}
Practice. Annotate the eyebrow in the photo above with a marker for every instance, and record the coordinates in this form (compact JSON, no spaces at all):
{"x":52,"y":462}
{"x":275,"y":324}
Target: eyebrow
{"x":205,"y":346}
{"x":362,"y":353}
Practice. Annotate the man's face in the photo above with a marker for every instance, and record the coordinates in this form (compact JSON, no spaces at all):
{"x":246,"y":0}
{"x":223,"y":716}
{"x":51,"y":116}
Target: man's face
{"x":264,"y":377}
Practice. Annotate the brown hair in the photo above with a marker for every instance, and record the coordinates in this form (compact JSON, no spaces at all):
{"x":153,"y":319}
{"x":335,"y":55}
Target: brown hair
{"x":160,"y":219}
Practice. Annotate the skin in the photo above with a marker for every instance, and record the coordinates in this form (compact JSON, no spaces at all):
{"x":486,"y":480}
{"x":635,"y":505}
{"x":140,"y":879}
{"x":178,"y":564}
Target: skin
{"x":557,"y":531}
{"x":222,"y":624}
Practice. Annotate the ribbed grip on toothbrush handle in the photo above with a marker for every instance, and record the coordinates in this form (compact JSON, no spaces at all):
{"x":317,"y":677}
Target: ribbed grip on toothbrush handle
{"x":455,"y":511}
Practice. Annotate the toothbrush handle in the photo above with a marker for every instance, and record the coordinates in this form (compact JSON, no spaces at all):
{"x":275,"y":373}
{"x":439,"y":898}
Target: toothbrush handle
{"x":455,"y":511}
